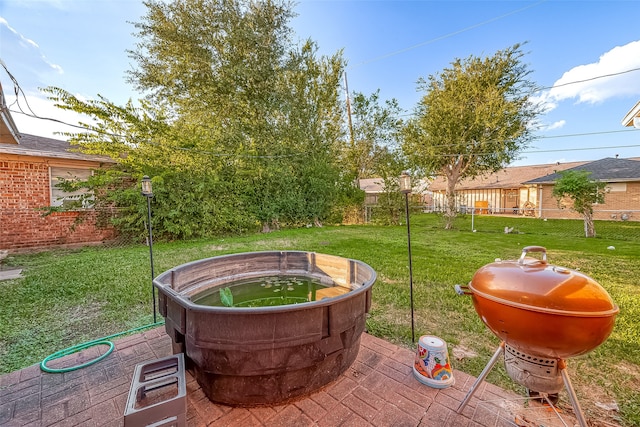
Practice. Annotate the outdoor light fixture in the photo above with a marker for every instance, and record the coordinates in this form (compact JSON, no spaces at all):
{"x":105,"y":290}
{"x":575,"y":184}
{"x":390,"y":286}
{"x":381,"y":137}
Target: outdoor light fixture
{"x":405,"y":187}
{"x":405,"y":183}
{"x":146,"y":186}
{"x":147,"y":191}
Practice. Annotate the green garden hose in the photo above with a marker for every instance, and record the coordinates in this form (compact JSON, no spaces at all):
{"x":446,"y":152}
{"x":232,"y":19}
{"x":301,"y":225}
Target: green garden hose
{"x":88,"y":344}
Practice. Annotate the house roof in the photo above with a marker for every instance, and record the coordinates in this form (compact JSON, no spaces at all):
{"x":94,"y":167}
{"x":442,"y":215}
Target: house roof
{"x":376,"y":186}
{"x":33,"y":145}
{"x":8,"y":130}
{"x":371,"y":185}
{"x":607,"y":169}
{"x":632,"y":117}
{"x":12,"y":142}
{"x":510,"y":177}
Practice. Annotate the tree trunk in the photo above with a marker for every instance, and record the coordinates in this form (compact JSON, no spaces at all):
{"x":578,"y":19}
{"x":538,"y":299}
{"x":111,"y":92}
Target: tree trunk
{"x":589,"y":227}
{"x":450,"y":209}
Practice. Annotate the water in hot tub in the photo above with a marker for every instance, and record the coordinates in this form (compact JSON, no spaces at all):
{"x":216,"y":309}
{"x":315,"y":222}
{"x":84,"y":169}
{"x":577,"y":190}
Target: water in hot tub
{"x":269,"y":291}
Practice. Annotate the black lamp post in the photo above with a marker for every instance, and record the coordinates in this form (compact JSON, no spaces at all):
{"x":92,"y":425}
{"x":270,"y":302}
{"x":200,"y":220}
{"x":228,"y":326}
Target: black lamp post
{"x":405,"y":187}
{"x":148,"y":193}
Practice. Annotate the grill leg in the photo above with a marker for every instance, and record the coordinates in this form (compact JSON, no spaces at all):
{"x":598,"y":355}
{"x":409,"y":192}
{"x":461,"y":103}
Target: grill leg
{"x":562,"y":365}
{"x":481,"y":378}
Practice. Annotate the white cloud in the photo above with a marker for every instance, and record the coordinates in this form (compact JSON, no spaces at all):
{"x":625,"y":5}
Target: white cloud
{"x":31,"y":45}
{"x":22,"y":38}
{"x":557,"y":125}
{"x":593,"y":87}
{"x":55,"y":67}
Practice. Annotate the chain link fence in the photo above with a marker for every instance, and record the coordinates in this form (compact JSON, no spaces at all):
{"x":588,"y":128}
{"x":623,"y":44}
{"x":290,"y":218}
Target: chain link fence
{"x":550,"y":223}
{"x":559,"y":222}
{"x":618,"y":225}
{"x":29,"y":229}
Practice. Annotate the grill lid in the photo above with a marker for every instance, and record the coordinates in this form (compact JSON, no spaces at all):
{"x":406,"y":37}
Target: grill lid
{"x":533,"y":284}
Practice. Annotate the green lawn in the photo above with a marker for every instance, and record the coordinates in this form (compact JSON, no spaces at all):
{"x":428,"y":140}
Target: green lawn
{"x":69,"y":297}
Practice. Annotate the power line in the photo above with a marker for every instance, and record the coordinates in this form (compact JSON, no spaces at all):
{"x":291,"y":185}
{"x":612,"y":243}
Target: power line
{"x":547,"y":151}
{"x":589,"y":79}
{"x":155,"y":144}
{"x":397,"y":52}
{"x":564,"y":84}
{"x":570,"y":135}
{"x":559,"y":150}
{"x":581,"y":149}
{"x":298,"y":154}
{"x":18,"y":90}
{"x":35,"y":116}
{"x":479,"y":25}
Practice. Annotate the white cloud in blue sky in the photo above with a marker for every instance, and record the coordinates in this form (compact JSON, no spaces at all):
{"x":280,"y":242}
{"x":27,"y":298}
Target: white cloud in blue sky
{"x":616,"y":63}
{"x":615,"y":74}
{"x":22,"y":38}
{"x":557,"y":125}
{"x":31,"y":48}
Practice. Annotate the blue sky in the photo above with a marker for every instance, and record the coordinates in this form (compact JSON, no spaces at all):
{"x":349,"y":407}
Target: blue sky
{"x":80,"y":45}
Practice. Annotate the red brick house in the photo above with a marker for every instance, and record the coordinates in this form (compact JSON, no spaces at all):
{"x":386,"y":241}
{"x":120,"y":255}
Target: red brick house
{"x":622,"y":201}
{"x":30,"y":167}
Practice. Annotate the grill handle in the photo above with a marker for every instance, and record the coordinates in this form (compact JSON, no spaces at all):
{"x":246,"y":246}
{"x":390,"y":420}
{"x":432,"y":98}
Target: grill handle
{"x":528,"y":249}
{"x":462,"y":290}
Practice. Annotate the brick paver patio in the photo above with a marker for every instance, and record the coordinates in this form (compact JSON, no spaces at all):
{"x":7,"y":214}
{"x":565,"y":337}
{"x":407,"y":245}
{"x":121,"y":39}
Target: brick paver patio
{"x":379,"y":389}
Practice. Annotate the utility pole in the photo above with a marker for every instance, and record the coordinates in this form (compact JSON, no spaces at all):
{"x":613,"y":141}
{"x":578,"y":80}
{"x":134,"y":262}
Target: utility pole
{"x":346,"y":90}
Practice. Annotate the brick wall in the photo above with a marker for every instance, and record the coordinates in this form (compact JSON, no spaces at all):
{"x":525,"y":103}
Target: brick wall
{"x":24,"y":189}
{"x":617,"y":204}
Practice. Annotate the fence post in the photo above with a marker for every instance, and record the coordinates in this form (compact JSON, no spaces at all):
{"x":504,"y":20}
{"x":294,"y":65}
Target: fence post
{"x":473,"y":211}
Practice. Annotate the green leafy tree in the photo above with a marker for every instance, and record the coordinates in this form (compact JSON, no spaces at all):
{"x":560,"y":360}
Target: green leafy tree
{"x":239,"y":128}
{"x":299,"y":185}
{"x":375,"y":127}
{"x":389,"y":165}
{"x":583,"y":192}
{"x":230,"y":69}
{"x":372,"y":150}
{"x":475,"y":117}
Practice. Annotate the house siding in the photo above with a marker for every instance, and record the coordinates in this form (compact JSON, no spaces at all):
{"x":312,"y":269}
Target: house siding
{"x":24,"y":190}
{"x":527,"y":190}
{"x":501,"y":201}
{"x":617,"y":204}
{"x":490,"y":200}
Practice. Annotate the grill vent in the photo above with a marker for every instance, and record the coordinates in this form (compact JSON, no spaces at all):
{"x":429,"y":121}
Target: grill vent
{"x":533,"y":372}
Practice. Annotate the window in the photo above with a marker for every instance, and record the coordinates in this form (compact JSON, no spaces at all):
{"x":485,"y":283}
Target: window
{"x":617,"y":187}
{"x":68,"y":200}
